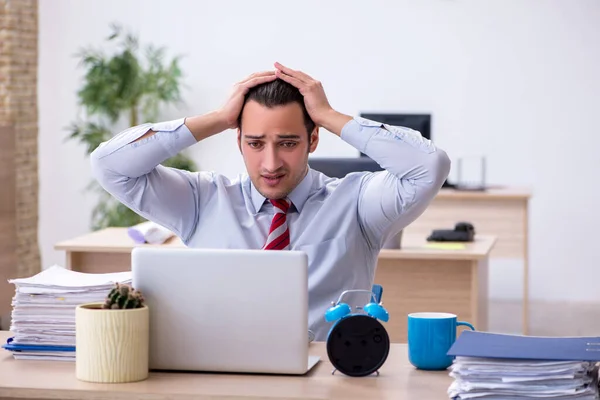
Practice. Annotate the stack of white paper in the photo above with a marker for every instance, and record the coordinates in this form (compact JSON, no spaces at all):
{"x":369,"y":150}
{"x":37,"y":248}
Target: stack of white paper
{"x":487,"y":379}
{"x":43,"y":315}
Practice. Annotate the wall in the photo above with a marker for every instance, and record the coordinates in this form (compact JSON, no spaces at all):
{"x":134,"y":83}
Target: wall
{"x":19,"y":112}
{"x":512,"y":80}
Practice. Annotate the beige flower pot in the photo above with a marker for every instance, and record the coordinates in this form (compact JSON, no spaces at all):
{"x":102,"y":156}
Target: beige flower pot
{"x":111,"y":345}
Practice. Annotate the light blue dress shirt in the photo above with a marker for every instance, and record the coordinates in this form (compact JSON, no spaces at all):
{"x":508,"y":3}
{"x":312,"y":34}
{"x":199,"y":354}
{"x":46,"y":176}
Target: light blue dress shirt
{"x":340,"y":223}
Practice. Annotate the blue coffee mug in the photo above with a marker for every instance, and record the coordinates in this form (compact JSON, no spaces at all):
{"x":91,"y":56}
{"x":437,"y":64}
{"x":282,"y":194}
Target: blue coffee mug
{"x":430,"y":336}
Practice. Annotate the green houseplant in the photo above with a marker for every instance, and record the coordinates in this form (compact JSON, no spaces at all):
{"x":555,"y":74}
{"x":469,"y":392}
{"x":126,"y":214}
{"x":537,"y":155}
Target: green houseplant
{"x":112,"y":338}
{"x":130,"y":84}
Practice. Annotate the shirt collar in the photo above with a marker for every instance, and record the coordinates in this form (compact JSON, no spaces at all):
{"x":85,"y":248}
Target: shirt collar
{"x":298,"y":196}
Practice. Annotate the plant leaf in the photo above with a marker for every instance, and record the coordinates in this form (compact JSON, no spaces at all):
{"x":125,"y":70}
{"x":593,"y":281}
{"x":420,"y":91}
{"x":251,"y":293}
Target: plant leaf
{"x":123,"y":83}
{"x":90,"y":134}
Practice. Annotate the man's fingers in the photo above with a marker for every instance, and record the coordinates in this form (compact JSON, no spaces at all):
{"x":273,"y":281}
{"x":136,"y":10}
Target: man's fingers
{"x":295,"y":74}
{"x":258,"y":74}
{"x":258,"y":80}
{"x":290,"y":79}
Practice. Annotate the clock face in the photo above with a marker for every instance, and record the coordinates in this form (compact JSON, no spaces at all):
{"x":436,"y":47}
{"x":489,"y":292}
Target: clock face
{"x":358,"y":345}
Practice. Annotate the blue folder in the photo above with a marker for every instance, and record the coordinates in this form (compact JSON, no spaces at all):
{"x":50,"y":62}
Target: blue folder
{"x":34,"y":347}
{"x":497,"y":345}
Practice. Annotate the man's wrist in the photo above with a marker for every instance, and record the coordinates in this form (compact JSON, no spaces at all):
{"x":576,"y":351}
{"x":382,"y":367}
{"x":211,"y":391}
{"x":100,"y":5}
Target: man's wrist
{"x":334,"y":121}
{"x":203,"y":126}
{"x":222,"y":121}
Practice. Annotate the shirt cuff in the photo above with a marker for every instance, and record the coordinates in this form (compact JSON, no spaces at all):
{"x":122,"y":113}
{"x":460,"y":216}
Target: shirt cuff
{"x":179,"y":137}
{"x":358,"y":131}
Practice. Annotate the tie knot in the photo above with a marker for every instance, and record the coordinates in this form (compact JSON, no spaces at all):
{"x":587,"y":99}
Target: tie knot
{"x":281,"y":204}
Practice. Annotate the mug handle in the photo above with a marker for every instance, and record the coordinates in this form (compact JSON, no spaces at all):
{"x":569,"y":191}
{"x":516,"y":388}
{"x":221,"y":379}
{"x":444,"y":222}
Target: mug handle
{"x":461,"y":323}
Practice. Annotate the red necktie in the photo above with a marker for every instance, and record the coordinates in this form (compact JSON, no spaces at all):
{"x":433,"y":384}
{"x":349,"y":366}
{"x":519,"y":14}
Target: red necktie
{"x":279,"y":234}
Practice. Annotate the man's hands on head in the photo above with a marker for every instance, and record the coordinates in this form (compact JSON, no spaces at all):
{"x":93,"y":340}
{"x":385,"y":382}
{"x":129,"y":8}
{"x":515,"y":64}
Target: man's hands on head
{"x":204,"y":126}
{"x":226,"y":117}
{"x":316,"y":102}
{"x":232,"y":108}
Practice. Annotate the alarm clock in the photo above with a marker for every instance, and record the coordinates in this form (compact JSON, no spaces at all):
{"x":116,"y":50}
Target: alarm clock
{"x":358,"y":343}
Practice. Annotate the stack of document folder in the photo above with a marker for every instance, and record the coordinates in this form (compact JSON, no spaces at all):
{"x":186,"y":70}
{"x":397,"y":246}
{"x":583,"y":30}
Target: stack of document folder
{"x":490,"y":366}
{"x":43,"y":314}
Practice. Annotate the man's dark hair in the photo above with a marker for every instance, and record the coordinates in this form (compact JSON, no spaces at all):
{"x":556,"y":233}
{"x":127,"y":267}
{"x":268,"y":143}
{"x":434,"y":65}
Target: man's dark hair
{"x":278,"y":93}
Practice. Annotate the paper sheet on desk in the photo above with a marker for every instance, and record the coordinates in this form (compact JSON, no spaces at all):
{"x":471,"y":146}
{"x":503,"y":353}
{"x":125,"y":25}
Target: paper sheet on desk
{"x":57,"y":277}
{"x":57,"y":300}
{"x":44,"y":307}
{"x":502,"y":366}
{"x":463,"y":366}
{"x":48,"y":356}
{"x":495,"y":378}
{"x":584,"y":394}
{"x":149,"y":232}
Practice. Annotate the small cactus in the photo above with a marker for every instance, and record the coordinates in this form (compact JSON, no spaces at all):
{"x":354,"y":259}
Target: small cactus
{"x":123,"y":297}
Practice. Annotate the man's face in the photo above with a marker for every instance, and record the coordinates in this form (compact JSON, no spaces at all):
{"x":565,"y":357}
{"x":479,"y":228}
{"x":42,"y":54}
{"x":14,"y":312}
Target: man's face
{"x":275,"y":147}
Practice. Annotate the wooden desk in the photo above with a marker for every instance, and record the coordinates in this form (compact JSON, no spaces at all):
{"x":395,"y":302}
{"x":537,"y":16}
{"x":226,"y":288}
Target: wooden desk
{"x":421,"y":279}
{"x":106,"y":250}
{"x":398,"y":380}
{"x":415,"y":278}
{"x":503,"y":212}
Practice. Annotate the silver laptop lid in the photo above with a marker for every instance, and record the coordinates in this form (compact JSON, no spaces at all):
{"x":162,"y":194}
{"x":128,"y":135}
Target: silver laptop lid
{"x":225,"y":310}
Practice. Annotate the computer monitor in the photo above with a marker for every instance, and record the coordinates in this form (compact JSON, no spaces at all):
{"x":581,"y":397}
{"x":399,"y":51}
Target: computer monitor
{"x":340,"y":167}
{"x":418,"y":122}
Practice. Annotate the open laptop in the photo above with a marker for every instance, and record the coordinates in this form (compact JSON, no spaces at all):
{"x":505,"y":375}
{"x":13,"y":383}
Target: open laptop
{"x":225,"y":310}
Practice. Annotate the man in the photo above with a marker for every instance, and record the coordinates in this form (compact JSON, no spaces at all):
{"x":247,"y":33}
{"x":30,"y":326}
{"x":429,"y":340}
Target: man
{"x":281,"y":203}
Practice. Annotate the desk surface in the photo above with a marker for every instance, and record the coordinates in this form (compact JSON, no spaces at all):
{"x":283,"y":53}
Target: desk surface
{"x":415,"y":246}
{"x":116,"y":240}
{"x":398,"y":380}
{"x":108,"y":240}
